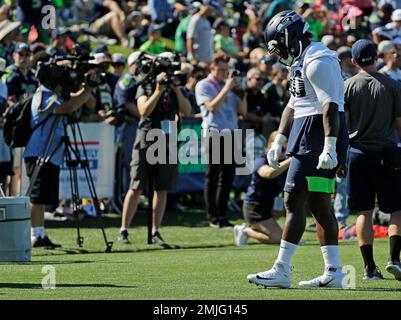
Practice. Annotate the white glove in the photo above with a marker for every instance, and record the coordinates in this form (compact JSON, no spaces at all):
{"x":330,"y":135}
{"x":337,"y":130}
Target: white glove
{"x":275,"y":151}
{"x":328,"y":158}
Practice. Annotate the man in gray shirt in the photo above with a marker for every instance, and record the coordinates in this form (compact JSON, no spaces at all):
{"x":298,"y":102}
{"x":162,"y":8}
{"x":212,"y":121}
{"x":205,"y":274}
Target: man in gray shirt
{"x":373,"y":106}
{"x":199,"y":34}
{"x":219,"y":107}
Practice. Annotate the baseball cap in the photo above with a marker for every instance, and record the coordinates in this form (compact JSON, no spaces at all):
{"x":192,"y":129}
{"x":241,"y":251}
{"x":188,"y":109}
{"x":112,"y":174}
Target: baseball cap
{"x":219,"y":22}
{"x":215,"y":5}
{"x":7,"y":26}
{"x":21,"y":46}
{"x":3,"y":64}
{"x":133,"y":57}
{"x":134,"y":14}
{"x":344,"y":52}
{"x":155,"y":27}
{"x":101,"y":48}
{"x":328,"y":39}
{"x":99,"y":58}
{"x":37,"y":47}
{"x":118,"y":58}
{"x":364,"y":52}
{"x":385,"y":46}
{"x":396,"y":15}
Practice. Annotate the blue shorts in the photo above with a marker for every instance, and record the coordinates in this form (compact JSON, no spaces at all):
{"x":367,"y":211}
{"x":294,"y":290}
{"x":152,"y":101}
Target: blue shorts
{"x":303,"y":175}
{"x":368,"y":178}
{"x":305,"y":145}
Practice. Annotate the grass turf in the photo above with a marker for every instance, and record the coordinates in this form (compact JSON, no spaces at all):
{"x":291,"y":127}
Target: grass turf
{"x":206,"y":266}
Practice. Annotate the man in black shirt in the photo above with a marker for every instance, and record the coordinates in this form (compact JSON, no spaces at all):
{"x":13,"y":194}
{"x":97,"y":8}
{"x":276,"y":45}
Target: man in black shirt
{"x":158,"y":104}
{"x":373,"y":106}
{"x":257,"y":103}
{"x":20,"y":80}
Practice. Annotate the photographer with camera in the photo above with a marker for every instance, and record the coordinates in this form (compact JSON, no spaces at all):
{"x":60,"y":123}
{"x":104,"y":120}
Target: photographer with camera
{"x":160,"y":101}
{"x":100,"y":107}
{"x":221,"y":98}
{"x":47,"y":105}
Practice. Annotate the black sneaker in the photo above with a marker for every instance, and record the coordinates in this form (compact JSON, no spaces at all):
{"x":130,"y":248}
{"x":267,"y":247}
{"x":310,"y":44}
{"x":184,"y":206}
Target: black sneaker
{"x":372,"y":275}
{"x":123,"y":238}
{"x":224,"y":223}
{"x":394,"y":267}
{"x":44,"y":243}
{"x":157,"y":239}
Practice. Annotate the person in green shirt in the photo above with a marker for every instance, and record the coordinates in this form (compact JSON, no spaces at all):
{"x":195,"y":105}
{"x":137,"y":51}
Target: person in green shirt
{"x":180,"y":36}
{"x":154,"y":45}
{"x":223,"y":41}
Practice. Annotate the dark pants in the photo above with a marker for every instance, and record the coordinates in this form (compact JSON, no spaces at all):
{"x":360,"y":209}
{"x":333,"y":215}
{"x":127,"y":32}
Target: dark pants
{"x":218,"y":181}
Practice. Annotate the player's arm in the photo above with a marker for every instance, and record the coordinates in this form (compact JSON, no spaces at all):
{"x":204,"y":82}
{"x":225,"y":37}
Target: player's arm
{"x":317,"y":72}
{"x":281,"y":138}
{"x":267,"y":172}
{"x":286,"y":121}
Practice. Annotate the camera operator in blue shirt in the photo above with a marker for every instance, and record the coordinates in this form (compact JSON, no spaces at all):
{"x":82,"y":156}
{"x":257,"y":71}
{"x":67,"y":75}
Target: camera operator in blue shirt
{"x":46,"y":106}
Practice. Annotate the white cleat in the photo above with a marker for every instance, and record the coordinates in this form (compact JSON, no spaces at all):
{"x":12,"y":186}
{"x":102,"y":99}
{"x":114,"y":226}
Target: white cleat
{"x":277,"y":277}
{"x":240,"y":236}
{"x":331,"y":278}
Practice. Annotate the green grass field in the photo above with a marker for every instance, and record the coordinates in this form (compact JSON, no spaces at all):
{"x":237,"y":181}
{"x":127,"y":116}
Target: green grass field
{"x":206,"y":266}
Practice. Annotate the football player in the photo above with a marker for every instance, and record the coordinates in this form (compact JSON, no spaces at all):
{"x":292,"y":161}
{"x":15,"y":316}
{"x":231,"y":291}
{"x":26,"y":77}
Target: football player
{"x":314,"y":125}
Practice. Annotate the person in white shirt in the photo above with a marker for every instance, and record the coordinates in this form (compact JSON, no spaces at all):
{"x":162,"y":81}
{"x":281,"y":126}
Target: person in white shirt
{"x":389,"y":55}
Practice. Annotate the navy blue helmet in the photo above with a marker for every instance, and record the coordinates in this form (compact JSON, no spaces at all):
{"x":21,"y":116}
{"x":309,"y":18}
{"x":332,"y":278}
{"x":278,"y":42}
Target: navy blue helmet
{"x":285,"y":36}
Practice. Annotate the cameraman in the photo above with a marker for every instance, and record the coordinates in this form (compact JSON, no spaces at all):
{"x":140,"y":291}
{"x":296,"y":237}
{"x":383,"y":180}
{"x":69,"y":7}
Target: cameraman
{"x":159,"y":104}
{"x":46,"y":106}
{"x":220,"y":107}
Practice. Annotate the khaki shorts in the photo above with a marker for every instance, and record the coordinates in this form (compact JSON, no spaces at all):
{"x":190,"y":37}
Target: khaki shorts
{"x":17,"y":159}
{"x":164,"y":177}
{"x":103,"y":25}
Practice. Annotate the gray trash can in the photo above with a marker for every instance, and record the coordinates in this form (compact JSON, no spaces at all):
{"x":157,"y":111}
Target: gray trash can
{"x":15,"y":229}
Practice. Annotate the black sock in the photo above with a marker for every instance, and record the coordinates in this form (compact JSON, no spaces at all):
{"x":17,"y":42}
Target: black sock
{"x":367,"y":254}
{"x":395,"y":248}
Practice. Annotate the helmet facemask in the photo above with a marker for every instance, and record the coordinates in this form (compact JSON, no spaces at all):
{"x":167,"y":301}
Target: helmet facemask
{"x":289,"y":41}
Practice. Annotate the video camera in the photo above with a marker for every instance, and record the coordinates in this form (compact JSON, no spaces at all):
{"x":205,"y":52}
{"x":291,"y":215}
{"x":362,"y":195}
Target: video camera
{"x":69,"y":72}
{"x":150,"y":66}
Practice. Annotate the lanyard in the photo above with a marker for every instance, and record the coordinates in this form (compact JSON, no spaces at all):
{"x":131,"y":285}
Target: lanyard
{"x":215,"y":85}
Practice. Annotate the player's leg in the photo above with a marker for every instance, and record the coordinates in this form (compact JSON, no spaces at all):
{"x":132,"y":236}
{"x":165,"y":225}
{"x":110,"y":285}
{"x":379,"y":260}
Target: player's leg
{"x":394,"y":233}
{"x":389,"y":200}
{"x":139,"y":182}
{"x":364,"y":232}
{"x":362,"y":183}
{"x":327,"y":231}
{"x":280,"y":274}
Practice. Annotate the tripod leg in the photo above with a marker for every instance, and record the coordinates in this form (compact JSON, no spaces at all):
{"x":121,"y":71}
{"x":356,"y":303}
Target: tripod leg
{"x":150,"y":209}
{"x":92,"y":189}
{"x":72,"y":168}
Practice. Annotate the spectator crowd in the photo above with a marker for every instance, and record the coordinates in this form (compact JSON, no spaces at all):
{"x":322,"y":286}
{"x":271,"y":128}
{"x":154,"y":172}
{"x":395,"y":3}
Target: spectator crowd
{"x":197,"y":31}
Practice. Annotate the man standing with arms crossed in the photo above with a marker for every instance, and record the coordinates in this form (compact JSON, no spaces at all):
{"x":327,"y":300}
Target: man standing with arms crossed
{"x":373,"y":106}
{"x":314,"y":123}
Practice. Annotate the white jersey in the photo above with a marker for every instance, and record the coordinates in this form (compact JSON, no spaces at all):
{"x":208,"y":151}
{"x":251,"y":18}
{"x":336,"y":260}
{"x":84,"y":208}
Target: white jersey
{"x":316,"y":80}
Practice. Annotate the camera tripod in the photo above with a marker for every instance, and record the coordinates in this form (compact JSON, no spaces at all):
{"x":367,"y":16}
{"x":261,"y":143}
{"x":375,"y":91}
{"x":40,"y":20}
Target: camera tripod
{"x":73,"y":158}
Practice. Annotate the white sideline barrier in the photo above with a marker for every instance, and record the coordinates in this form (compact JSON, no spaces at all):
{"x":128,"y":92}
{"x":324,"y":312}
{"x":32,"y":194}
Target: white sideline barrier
{"x":99,"y":141}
